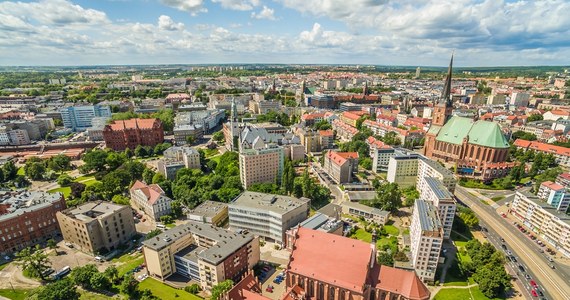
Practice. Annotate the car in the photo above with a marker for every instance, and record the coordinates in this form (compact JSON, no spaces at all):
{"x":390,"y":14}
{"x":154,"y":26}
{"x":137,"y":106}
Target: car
{"x":540,"y":250}
{"x":534,"y":293}
{"x":509,"y":252}
{"x":502,"y":240}
{"x":509,"y":258}
{"x":503,"y":215}
{"x":540,"y":293}
{"x":513,"y":258}
{"x":521,"y":268}
{"x":550,"y":259}
{"x":527,"y":276}
{"x":552,"y":266}
{"x":533,"y":283}
{"x":504,"y":246}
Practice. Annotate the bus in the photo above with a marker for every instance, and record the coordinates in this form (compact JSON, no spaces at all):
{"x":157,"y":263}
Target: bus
{"x":62,"y":273}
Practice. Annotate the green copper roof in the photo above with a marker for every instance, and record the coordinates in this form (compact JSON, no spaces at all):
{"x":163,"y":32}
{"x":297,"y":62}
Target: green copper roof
{"x":483,"y":133}
{"x":434,"y":129}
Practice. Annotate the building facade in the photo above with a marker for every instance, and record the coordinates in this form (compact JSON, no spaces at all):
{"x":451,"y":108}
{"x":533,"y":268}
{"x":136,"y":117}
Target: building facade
{"x":380,"y":154}
{"x":201,"y":252}
{"x":368,"y":213}
{"x":426,"y":239}
{"x":210,"y":212}
{"x":150,"y":199}
{"x":435,"y":192}
{"x":266,"y":215}
{"x":176,"y":158}
{"x":431,"y":168}
{"x":340,"y":166}
{"x":97,"y":226}
{"x":78,"y":118}
{"x":28,"y":218}
{"x":261,"y":164}
{"x":403,"y":169}
{"x":555,"y":195}
{"x":124,"y":134}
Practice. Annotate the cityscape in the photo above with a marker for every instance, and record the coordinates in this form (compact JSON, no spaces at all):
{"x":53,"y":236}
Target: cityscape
{"x":284,"y":150}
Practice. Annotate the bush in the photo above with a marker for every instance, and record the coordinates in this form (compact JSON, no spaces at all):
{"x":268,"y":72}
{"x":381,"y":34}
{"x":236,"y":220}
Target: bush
{"x":64,"y":180}
{"x":193,"y":289}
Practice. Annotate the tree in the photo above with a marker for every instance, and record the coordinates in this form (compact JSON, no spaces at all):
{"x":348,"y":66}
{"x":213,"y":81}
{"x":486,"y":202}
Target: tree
{"x":63,"y":289}
{"x":218,"y":136}
{"x":193,"y":289}
{"x":384,"y":258}
{"x":166,"y":219}
{"x":129,"y":286}
{"x":535,"y":117}
{"x":100,"y":282}
{"x":112,"y":273}
{"x":82,"y":275}
{"x":156,"y":178}
{"x":523,"y":135}
{"x":148,"y":175}
{"x":115,"y":160}
{"x":468,"y":217}
{"x":60,"y":163}
{"x":64,"y":180}
{"x":35,"y":170}
{"x":411,"y":194}
{"x":190,"y":140}
{"x":51,"y":244}
{"x":220,"y":288}
{"x":366,"y":163}
{"x":77,"y":189}
{"x":10,"y":171}
{"x":401,"y":256}
{"x":288,"y":179}
{"x":120,"y":199}
{"x":95,"y":160}
{"x":34,"y":261}
{"x":176,"y":208}
{"x":388,"y":197}
{"x":391,"y":138}
{"x":140,"y":151}
{"x":360,"y":121}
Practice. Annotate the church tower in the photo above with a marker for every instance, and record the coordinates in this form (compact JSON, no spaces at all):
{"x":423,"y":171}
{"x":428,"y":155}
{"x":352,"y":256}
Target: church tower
{"x":444,"y":107}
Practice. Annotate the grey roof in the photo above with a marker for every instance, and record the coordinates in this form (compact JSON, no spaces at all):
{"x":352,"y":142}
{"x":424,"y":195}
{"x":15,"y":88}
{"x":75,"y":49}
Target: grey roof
{"x":226,"y":242}
{"x":436,"y":165}
{"x":440,"y":191}
{"x":21,"y":202}
{"x":551,"y":210}
{"x":366,"y":208}
{"x":274,"y":203}
{"x":331,"y":210}
{"x":91,"y":211}
{"x":429,"y":221}
{"x":361,"y":195}
{"x":208,"y":209}
{"x":321,"y":222}
{"x":191,"y":253}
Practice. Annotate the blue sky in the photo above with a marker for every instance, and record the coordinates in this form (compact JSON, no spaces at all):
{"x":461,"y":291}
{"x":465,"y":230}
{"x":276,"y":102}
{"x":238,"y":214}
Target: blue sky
{"x":387,"y":32}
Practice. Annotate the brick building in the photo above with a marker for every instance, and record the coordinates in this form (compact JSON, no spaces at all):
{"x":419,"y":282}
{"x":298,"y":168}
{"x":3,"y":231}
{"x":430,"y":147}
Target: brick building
{"x":123,"y":134}
{"x":28,"y":218}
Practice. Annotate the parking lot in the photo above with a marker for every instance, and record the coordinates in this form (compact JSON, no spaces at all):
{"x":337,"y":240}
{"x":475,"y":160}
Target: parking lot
{"x":272,"y":288}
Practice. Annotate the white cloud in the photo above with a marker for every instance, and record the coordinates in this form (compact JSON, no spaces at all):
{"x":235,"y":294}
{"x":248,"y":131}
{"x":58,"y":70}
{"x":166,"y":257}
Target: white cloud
{"x":53,"y":12}
{"x":192,"y":6}
{"x":265,"y":13}
{"x":238,"y":4}
{"x":166,"y":23}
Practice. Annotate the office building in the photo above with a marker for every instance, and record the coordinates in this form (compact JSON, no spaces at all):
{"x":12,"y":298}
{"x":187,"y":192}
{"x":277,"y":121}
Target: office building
{"x":150,"y":199}
{"x":28,"y":218}
{"x":210,"y":212}
{"x":431,"y":168}
{"x":201,"y":252}
{"x":78,"y":118}
{"x":403,"y":169}
{"x":97,"y":226}
{"x":369,"y":213}
{"x":315,"y":270}
{"x":543,"y":220}
{"x":176,"y":158}
{"x":266,"y":215}
{"x":519,"y":99}
{"x":426,"y":238}
{"x":436,"y":193}
{"x":263,"y":163}
{"x":340,"y":166}
{"x":124,"y":134}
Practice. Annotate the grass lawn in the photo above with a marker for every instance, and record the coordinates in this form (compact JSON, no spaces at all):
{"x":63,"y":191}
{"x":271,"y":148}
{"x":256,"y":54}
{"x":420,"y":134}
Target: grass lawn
{"x":407,"y":231}
{"x":64,"y":190}
{"x":164,"y":291}
{"x":85,"y":295}
{"x":216,"y":158}
{"x":391,"y":229}
{"x":498,"y":198}
{"x":129,"y":265}
{"x":4,"y":266}
{"x":452,"y":294}
{"x":21,"y":171}
{"x":170,"y":225}
{"x":392,"y":241}
{"x":211,"y":152}
{"x":525,"y":180}
{"x":362,"y":235}
{"x":16,"y":294}
{"x":125,"y":258}
{"x":478,"y":185}
{"x":84,"y":177}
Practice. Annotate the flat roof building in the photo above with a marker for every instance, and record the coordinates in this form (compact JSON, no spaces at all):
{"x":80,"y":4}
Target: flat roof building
{"x":211,"y":212}
{"x":367,"y":212}
{"x":426,"y":239}
{"x":440,"y":197}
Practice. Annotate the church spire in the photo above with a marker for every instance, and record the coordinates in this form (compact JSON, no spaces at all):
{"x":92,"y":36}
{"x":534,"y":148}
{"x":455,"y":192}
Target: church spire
{"x":446,"y":93}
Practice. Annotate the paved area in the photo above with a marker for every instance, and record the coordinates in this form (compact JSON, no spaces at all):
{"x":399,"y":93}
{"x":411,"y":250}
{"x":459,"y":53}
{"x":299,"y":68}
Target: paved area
{"x":270,"y":254}
{"x":554,"y":283}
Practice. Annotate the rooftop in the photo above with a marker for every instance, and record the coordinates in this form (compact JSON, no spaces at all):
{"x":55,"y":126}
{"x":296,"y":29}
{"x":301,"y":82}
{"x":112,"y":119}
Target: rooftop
{"x":134,"y":123}
{"x":553,"y":186}
{"x":16,"y":203}
{"x":322,"y":222}
{"x":366,"y":208}
{"x":437,"y":166}
{"x":273,"y":203}
{"x":91,"y":211}
{"x":545,"y":206}
{"x":429,"y":221}
{"x":437,"y":187}
{"x":209,"y":208}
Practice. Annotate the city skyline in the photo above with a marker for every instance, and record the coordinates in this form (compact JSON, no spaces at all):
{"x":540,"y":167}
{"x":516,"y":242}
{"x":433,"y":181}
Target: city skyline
{"x":117,"y":32}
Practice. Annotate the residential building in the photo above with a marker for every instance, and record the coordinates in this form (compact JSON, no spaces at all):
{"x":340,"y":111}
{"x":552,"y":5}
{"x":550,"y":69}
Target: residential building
{"x":367,"y":212}
{"x":196,"y":124}
{"x":561,"y":154}
{"x":344,"y":131}
{"x":4,"y":137}
{"x":78,"y":118}
{"x":176,"y":158}
{"x":380,"y":154}
{"x":435,"y":192}
{"x":262,"y":163}
{"x":564,"y":180}
{"x":150,"y":199}
{"x":266,"y":215}
{"x":201,"y":252}
{"x":310,"y":140}
{"x":426,"y":238}
{"x":326,"y":138}
{"x":123,"y":134}
{"x":543,"y":220}
{"x":28,"y":218}
{"x":519,"y":99}
{"x":18,"y":137}
{"x":248,"y":288}
{"x":403,"y":169}
{"x":555,"y":195}
{"x":340,"y":165}
{"x":97,"y":226}
{"x":315,"y":271}
{"x":431,"y":168}
{"x":210,"y":212}
{"x":261,"y":106}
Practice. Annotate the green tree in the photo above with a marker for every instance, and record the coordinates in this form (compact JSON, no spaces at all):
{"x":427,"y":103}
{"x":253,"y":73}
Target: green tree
{"x":112,"y":273}
{"x":468,"y":217}
{"x":100,"y":282}
{"x":60,"y":163}
{"x":523,"y":135}
{"x":34,"y":261}
{"x":35,"y":170}
{"x":95,"y":160}
{"x":9,"y":170}
{"x":193,"y":289}
{"x":366,"y":163}
{"x":388,"y":197}
{"x":115,"y":160}
{"x":148,"y":175}
{"x":190,"y":140}
{"x":140,"y":151}
{"x":391,"y":138}
{"x":411,"y":194}
{"x":152,"y":233}
{"x":220,"y":288}
{"x":166,"y":219}
{"x":82,"y":275}
{"x":218,"y":136}
{"x":120,"y":199}
{"x":77,"y":189}
{"x":64,"y":180}
{"x":385,"y":259}
{"x":535,"y":117}
{"x":63,"y":289}
{"x":360,"y":121}
{"x":176,"y":208}
{"x":288,"y":178}
{"x":129,"y":286}
{"x":51,"y":244}
{"x":157,"y":178}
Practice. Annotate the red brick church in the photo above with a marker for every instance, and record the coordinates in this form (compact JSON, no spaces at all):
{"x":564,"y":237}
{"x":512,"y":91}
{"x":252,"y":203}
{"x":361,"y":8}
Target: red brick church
{"x":477,"y":148}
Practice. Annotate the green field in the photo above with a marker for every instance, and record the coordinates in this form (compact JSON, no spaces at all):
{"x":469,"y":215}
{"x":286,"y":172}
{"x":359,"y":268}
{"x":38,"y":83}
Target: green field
{"x":85,"y":295}
{"x":498,"y":198}
{"x":129,"y":265}
{"x":16,"y":294}
{"x":391,"y":229}
{"x":66,"y":191}
{"x":362,"y":235}
{"x":211,"y":152}
{"x":165,"y":292}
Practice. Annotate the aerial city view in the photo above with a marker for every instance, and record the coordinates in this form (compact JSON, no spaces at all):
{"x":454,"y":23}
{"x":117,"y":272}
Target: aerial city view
{"x":284,"y":149}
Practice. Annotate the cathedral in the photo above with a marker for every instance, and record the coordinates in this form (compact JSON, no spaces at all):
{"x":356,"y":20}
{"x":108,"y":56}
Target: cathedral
{"x":478,"y":149}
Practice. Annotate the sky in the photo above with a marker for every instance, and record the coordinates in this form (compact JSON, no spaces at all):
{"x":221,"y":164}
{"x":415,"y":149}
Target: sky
{"x":372,"y":32}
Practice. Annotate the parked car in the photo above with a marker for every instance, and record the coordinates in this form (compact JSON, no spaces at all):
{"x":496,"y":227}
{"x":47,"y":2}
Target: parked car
{"x":521,"y":268}
{"x":534,"y":293}
{"x":527,"y":276}
{"x":513,"y":258}
{"x":533,"y":283}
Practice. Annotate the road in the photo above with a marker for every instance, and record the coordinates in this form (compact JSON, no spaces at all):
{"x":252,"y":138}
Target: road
{"x":553,"y":282}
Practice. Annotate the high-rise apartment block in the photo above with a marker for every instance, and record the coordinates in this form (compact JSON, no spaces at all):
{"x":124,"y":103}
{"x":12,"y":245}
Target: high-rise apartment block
{"x":124,"y":134}
{"x":261,"y":164}
{"x":380,"y":154}
{"x":201,"y":252}
{"x":403,"y":169}
{"x":426,"y":237}
{"x":97,"y":225}
{"x":555,"y":195}
{"x":436,"y":193}
{"x":266,"y":215}
{"x":432,"y":168}
{"x":78,"y":118}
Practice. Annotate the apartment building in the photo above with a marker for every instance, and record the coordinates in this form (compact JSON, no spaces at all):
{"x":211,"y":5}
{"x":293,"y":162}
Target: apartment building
{"x":543,"y":219}
{"x":431,"y":168}
{"x":403,"y":169}
{"x":79,"y":118}
{"x":28,"y":218}
{"x":436,"y":193}
{"x":426,"y":238}
{"x":555,"y":195}
{"x":368,"y":213}
{"x":380,"y":154}
{"x":326,"y":139}
{"x":341,"y":165}
{"x":266,"y":215}
{"x":310,"y":140}
{"x":18,"y":137}
{"x":123,"y":134}
{"x":211,"y":212}
{"x":176,"y":158}
{"x":150,"y":199}
{"x":201,"y":252}
{"x":561,"y":154}
{"x":261,"y":164}
{"x":97,"y":225}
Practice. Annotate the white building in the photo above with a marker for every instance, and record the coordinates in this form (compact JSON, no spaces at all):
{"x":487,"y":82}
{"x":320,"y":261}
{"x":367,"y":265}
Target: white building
{"x":266,"y":215}
{"x":437,"y":193}
{"x":403,"y":169}
{"x":555,"y":195}
{"x":544,"y":220}
{"x":380,"y":154}
{"x":426,"y":238}
{"x":519,"y":99}
{"x":151,"y":199}
{"x":431,"y":168}
{"x":4,"y":137}
{"x":18,"y":137}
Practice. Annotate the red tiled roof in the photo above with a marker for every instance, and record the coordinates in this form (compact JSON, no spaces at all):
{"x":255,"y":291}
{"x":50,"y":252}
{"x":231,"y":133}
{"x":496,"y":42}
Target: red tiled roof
{"x":247,"y":288}
{"x":565,"y":176}
{"x":542,"y":147}
{"x":373,"y":142}
{"x":348,"y":155}
{"x":350,"y":115}
{"x":402,"y":282}
{"x":553,"y":186}
{"x":152,"y":192}
{"x":312,"y":116}
{"x":133,"y":123}
{"x":326,"y":132}
{"x":334,"y":259}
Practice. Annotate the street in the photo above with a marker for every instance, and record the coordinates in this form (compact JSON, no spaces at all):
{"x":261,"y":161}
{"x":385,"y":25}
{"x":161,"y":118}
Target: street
{"x":554,"y":283}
